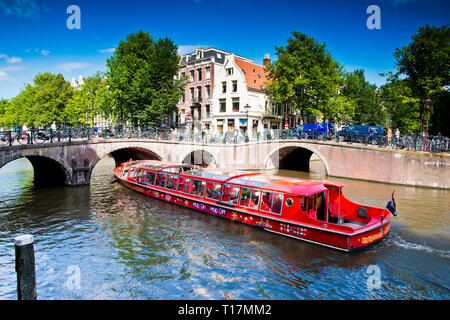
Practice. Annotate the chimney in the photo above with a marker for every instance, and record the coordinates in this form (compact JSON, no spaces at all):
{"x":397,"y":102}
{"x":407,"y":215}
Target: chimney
{"x":266,"y":60}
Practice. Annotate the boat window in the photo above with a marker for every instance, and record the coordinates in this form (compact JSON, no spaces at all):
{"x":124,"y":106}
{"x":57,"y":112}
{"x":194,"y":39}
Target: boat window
{"x":184,"y":185}
{"x":250,"y":198}
{"x":303,"y":203}
{"x":271,"y":202}
{"x":140,"y":176}
{"x":310,"y":203}
{"x":230,"y":194}
{"x":160,"y":180}
{"x":172,"y":181}
{"x":213,"y":190}
{"x":125,"y":173}
{"x":132,"y":173}
{"x":198,"y":188}
{"x":150,"y":179}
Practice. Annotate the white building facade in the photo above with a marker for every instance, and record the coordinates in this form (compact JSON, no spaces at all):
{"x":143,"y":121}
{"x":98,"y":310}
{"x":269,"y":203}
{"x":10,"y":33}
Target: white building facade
{"x":239,"y":98}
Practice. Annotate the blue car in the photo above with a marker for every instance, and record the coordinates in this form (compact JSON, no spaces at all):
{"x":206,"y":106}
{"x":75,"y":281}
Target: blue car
{"x":363,"y":133}
{"x":319,"y":131}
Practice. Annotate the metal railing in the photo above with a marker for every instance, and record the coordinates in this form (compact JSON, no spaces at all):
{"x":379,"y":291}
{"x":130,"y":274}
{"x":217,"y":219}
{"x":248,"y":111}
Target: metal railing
{"x":433,"y":144}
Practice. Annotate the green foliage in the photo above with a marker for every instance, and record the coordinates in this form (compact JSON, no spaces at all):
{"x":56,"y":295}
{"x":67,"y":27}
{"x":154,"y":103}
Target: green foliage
{"x":39,"y":103}
{"x":403,"y":109}
{"x":88,"y":101}
{"x":141,"y":76}
{"x":306,"y":75}
{"x":425,"y":63}
{"x":368,"y":109}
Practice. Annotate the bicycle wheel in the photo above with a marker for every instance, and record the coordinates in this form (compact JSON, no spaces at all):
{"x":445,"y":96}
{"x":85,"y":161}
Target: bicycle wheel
{"x":22,"y":139}
{"x":4,"y":138}
{"x":40,"y":137}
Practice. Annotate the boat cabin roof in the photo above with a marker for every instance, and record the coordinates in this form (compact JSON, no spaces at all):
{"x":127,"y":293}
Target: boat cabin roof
{"x":249,"y":179}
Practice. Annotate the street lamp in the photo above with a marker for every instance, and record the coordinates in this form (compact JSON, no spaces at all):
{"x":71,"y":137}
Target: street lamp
{"x":428,"y":103}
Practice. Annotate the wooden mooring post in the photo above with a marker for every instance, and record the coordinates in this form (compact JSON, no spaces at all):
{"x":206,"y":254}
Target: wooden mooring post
{"x":25,"y":267}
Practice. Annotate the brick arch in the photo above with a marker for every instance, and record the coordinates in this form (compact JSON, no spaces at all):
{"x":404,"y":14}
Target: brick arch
{"x":124,"y":153}
{"x":286,"y":152}
{"x":201,"y":157}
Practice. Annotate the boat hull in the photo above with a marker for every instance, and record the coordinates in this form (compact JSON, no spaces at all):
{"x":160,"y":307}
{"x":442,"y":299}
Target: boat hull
{"x":300,"y":231}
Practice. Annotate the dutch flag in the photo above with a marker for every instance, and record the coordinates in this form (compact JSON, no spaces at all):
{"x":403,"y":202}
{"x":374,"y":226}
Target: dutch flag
{"x":391,"y":205}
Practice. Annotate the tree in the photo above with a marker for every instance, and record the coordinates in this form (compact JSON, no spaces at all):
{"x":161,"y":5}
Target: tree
{"x":368,"y":109}
{"x":306,"y":75}
{"x":142,"y":79}
{"x":403,"y":108}
{"x":40,"y":103}
{"x":3,"y":104}
{"x":88,"y":101}
{"x":425,"y":63}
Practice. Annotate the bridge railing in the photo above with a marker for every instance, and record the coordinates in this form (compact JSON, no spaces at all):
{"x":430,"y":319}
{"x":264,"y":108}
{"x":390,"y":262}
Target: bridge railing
{"x":40,"y":136}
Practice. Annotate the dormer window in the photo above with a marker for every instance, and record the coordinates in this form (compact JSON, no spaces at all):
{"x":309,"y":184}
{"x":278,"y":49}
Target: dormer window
{"x":199,"y":53}
{"x":229,"y":71}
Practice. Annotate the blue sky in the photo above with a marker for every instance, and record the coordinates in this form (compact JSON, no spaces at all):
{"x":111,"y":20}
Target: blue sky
{"x":34,"y":36}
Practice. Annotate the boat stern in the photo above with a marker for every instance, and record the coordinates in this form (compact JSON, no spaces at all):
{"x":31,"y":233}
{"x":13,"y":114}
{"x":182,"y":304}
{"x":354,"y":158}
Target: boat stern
{"x":365,"y":238}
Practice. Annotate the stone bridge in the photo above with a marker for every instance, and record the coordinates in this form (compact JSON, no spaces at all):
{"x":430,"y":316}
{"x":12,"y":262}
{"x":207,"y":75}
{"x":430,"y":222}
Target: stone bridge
{"x":72,"y":162}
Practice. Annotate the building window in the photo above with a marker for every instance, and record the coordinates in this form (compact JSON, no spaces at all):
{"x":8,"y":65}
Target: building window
{"x":183,"y":97}
{"x":208,"y":111}
{"x":208,"y":73}
{"x":192,"y":76}
{"x":235,"y":104}
{"x":224,"y":87}
{"x":223,"y":105}
{"x":199,"y":72}
{"x":229,"y":71}
{"x":234,"y":86}
{"x":183,"y":75}
{"x":207,"y":92}
{"x":199,"y":94}
{"x":192,"y":93}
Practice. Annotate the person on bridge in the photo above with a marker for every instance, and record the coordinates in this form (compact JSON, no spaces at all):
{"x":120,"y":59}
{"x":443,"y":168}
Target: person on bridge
{"x":26,"y":131}
{"x":53,"y":126}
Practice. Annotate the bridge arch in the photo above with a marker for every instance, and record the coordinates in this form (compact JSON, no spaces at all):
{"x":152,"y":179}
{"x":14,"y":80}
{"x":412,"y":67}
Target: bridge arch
{"x":294,"y":157}
{"x":124,"y":153}
{"x":47,"y":171}
{"x":201,"y":157}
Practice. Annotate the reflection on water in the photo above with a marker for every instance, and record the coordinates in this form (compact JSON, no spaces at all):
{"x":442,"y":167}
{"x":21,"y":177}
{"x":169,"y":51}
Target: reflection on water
{"x":118,"y":244}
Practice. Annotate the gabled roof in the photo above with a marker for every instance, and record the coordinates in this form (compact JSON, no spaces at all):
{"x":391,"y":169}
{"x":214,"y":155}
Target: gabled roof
{"x":255,"y":76}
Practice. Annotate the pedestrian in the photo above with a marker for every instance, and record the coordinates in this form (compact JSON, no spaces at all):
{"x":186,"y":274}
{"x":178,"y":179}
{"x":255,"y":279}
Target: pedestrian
{"x":25,"y":131}
{"x":53,"y":126}
{"x":397,"y":134}
{"x":389,"y":134}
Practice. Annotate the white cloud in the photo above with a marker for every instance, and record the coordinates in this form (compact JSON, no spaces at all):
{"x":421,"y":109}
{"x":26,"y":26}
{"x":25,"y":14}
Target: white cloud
{"x":9,"y":59}
{"x":45,"y":52}
{"x":68,"y":66}
{"x":3,"y":76}
{"x":11,"y":68}
{"x":108,"y":50}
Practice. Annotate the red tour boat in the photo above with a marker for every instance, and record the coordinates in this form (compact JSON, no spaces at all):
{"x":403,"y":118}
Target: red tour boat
{"x":312,"y":211}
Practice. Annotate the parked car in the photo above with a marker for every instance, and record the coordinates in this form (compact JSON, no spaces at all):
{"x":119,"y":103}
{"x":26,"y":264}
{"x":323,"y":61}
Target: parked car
{"x":363,"y":133}
{"x":314,"y":131}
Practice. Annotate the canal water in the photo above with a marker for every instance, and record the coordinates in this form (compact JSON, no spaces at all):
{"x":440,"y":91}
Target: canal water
{"x":104,"y":241}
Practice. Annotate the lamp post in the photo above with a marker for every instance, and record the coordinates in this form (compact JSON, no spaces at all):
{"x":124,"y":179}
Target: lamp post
{"x":428,"y":103}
